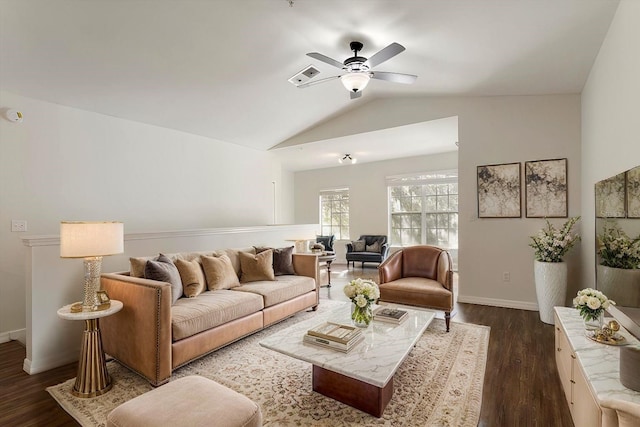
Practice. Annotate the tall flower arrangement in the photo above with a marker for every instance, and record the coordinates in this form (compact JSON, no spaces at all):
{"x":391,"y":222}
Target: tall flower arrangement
{"x":552,"y":244}
{"x":362,"y":293}
{"x":616,"y":249}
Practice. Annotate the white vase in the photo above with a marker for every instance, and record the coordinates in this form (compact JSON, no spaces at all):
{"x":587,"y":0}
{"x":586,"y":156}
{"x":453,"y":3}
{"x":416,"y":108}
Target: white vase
{"x":619,"y":284}
{"x":551,"y":287}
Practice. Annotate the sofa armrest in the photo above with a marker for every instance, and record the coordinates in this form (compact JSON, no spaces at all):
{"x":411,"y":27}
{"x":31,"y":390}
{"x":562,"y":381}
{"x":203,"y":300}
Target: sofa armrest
{"x":139,"y":335}
{"x":384,"y":250}
{"x":349,"y":247}
{"x":391,"y":268}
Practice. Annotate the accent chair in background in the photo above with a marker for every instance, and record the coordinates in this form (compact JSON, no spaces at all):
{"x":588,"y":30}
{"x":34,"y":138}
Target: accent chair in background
{"x":368,"y":248}
{"x":326,"y":241}
{"x":419,"y":276}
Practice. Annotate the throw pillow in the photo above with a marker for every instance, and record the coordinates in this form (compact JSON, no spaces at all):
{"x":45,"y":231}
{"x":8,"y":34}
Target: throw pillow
{"x":282,"y":260}
{"x":137,"y":265}
{"x":219,"y":272}
{"x":374,"y":247}
{"x":164,"y":270}
{"x":193,"y":281}
{"x":358,"y":245}
{"x":256,"y":267}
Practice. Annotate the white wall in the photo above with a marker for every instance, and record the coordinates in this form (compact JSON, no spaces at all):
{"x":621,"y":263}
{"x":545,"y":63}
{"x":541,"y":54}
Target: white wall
{"x":491,"y":130}
{"x":67,"y":164}
{"x":610,"y":124}
{"x":368,"y":208}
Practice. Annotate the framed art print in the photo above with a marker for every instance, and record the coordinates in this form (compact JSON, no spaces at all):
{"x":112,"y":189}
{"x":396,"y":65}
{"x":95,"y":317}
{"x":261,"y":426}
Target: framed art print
{"x":546,"y":188}
{"x":499,"y":194}
{"x":610,"y":197}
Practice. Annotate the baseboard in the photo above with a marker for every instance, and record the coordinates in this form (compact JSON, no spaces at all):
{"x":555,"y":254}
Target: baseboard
{"x":46,"y":363}
{"x":494,"y":302}
{"x":19,"y":335}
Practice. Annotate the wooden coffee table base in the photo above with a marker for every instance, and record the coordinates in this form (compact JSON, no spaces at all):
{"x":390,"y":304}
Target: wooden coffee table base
{"x":358,"y":394}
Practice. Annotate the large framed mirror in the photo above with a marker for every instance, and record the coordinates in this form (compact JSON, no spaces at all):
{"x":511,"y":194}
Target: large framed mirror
{"x":617,"y":210}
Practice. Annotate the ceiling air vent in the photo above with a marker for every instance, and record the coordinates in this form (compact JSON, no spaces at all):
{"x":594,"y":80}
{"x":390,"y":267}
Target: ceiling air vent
{"x":304,"y":76}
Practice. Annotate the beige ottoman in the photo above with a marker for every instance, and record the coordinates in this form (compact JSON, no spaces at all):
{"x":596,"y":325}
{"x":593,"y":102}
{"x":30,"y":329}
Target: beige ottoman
{"x":188,"y":401}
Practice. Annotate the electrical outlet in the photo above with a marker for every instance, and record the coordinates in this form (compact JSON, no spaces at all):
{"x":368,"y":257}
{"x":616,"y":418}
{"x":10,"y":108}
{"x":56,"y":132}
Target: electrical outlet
{"x":506,"y":276}
{"x":18,"y":225}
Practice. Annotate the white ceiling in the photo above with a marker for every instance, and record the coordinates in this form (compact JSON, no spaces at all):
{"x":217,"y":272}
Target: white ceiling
{"x":219,"y":68}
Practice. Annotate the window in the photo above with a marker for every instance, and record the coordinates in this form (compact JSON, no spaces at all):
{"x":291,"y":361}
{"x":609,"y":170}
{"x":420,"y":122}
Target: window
{"x":423,"y":209}
{"x":334,"y":213}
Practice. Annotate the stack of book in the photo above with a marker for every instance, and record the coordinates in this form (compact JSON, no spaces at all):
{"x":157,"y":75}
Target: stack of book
{"x":391,"y":315}
{"x":334,"y":335}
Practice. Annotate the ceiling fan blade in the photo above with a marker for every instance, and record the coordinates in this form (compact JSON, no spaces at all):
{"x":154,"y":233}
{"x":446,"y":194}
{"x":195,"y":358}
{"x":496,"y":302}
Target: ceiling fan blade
{"x":394,"y":77}
{"x":326,"y":59}
{"x":315,"y":82}
{"x":354,"y":95}
{"x":384,"y":55}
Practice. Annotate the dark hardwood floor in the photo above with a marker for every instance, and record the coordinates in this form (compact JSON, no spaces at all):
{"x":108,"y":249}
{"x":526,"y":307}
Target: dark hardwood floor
{"x":521,"y":386}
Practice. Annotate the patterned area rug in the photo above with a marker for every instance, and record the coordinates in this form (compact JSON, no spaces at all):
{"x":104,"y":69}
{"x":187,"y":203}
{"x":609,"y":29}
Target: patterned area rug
{"x":439,"y":384}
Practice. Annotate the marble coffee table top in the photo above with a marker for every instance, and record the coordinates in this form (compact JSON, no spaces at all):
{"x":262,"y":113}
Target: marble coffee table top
{"x":374,"y":360}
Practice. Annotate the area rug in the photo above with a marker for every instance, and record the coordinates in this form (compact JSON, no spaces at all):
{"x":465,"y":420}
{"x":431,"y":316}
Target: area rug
{"x":439,"y":384}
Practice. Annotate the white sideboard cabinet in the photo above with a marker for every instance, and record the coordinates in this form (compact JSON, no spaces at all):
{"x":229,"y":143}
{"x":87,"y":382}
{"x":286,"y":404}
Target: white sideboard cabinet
{"x":589,"y":373}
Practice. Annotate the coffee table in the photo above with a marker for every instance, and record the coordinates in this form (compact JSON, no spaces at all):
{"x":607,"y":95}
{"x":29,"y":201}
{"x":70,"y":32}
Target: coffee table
{"x":362,"y":378}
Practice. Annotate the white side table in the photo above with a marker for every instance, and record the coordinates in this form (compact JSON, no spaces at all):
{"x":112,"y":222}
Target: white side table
{"x":93,"y":378}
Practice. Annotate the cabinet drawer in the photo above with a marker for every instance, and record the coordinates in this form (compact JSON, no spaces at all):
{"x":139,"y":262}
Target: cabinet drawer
{"x":584,"y":407}
{"x":564,"y":358}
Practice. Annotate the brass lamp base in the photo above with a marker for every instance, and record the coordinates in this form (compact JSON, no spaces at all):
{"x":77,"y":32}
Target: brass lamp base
{"x":93,"y":378}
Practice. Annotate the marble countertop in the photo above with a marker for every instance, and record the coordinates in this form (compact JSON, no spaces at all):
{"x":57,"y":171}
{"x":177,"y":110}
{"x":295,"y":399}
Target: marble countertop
{"x":374,"y":360}
{"x":600,"y":362}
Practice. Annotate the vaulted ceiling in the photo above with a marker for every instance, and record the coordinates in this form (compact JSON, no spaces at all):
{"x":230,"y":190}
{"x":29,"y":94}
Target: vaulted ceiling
{"x":219,"y":68}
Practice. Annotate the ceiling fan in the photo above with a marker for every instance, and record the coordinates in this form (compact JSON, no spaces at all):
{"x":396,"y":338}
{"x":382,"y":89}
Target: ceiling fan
{"x":358,"y":70}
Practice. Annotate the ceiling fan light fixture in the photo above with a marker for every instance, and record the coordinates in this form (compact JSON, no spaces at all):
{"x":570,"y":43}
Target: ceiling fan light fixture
{"x":355,"y":82}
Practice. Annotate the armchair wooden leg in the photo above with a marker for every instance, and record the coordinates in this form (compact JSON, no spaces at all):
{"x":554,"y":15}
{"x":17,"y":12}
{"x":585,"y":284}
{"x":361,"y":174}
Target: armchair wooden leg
{"x":447,"y":319}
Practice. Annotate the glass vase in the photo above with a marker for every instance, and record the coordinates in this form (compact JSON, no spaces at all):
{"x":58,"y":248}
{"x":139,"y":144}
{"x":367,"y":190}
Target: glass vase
{"x":593,"y":324}
{"x":361,"y":316}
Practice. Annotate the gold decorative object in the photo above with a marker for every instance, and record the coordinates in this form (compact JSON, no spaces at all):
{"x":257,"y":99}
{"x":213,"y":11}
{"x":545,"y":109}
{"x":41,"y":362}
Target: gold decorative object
{"x":606,"y":336}
{"x":614,"y":325}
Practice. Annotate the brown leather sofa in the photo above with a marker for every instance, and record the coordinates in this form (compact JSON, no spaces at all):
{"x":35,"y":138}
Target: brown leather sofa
{"x":418,"y":276}
{"x":153,"y":336}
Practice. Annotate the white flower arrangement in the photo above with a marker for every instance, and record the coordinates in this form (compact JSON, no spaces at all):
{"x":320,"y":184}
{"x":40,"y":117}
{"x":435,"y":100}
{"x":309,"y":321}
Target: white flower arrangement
{"x":551,"y":245}
{"x":616,"y":249}
{"x":591,"y":303}
{"x":363,"y":293}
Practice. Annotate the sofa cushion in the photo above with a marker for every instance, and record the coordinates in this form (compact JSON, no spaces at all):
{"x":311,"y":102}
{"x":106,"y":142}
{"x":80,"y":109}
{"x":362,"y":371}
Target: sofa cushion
{"x":192,"y":276}
{"x":219,"y":272}
{"x":417,"y":291}
{"x":190,"y":316}
{"x":256,"y":267}
{"x":358,"y":245}
{"x":282,"y":259}
{"x":374,"y":247}
{"x":137,"y":265}
{"x":282,"y":289}
{"x":164,"y":270}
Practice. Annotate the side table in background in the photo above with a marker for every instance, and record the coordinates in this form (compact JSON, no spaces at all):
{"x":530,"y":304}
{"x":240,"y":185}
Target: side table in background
{"x":93,"y":378}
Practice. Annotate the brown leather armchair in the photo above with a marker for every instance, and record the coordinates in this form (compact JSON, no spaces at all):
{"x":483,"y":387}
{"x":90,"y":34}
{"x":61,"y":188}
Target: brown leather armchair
{"x":419,"y":276}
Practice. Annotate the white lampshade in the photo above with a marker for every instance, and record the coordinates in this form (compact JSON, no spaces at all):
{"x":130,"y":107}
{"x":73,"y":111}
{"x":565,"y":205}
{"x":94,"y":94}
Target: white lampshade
{"x":91,"y":239}
{"x":355,"y":82}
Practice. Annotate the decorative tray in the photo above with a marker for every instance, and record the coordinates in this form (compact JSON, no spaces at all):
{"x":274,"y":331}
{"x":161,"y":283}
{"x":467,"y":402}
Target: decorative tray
{"x":616,"y":339}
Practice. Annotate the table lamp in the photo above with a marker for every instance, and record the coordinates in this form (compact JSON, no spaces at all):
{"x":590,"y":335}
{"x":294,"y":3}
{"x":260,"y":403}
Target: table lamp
{"x":91,"y":241}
